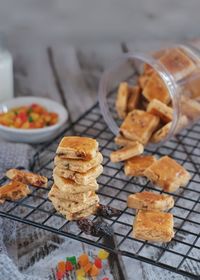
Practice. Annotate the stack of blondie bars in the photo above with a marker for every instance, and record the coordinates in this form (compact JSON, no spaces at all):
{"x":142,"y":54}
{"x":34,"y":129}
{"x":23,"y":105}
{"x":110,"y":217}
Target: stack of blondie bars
{"x":77,"y":166}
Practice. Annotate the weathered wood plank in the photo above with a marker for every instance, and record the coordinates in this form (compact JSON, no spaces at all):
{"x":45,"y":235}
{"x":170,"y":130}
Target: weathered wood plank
{"x":33,"y":74}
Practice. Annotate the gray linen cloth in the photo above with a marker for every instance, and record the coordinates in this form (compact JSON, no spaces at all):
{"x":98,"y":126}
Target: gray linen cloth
{"x":11,"y":155}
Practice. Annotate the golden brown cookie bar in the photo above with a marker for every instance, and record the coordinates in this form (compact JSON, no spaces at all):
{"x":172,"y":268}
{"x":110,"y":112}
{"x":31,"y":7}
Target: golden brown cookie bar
{"x":183,"y":122}
{"x":157,"y":108}
{"x":160,"y":53}
{"x":127,"y":152}
{"x":191,"y":108}
{"x":139,"y":125}
{"x":148,"y":70}
{"x":122,"y":141}
{"x":13,"y":191}
{"x":156,"y":89}
{"x":133,"y":99}
{"x":167,"y":174}
{"x":178,"y":63}
{"x":137,"y":165}
{"x":153,"y":226}
{"x":193,"y":84}
{"x":161,"y":134}
{"x":80,"y":178}
{"x":150,"y":201}
{"x":122,"y":100}
{"x":76,"y":197}
{"x":142,"y":80}
{"x":25,"y":177}
{"x":78,"y":165}
{"x":71,"y":187}
{"x":76,"y":147}
{"x":78,"y":215}
{"x":74,"y":207}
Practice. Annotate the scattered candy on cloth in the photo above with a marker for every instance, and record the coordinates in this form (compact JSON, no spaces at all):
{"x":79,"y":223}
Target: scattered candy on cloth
{"x":86,"y":266}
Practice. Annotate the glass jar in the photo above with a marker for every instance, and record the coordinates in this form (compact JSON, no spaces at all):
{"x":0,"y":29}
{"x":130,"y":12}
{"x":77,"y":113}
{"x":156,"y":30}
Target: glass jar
{"x":6,"y":70}
{"x":172,"y":71}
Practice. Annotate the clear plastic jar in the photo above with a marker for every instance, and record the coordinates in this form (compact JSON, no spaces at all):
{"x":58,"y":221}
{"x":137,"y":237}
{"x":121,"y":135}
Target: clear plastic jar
{"x":178,"y":70}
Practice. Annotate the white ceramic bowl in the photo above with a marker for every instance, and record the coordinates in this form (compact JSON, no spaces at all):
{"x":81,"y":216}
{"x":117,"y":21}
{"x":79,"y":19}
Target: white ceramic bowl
{"x":37,"y":135}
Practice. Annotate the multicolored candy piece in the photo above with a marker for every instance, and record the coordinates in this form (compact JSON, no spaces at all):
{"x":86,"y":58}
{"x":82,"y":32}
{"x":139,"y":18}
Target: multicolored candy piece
{"x":98,"y":263}
{"x":80,"y":272}
{"x":87,"y":267}
{"x":61,"y":266}
{"x":72,"y":260}
{"x":81,"y":278}
{"x":59,"y":275}
{"x":68,"y":266}
{"x":102,"y":254}
{"x":94,"y":271}
{"x":83,"y":260}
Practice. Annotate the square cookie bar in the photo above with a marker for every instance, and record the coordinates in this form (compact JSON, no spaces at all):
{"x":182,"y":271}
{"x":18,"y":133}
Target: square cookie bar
{"x":136,"y":166}
{"x":76,"y":147}
{"x":156,"y":89}
{"x":167,"y":174}
{"x":178,"y":63}
{"x":164,"y":112}
{"x":153,"y":226}
{"x":139,"y":125}
{"x":150,"y":201}
{"x":122,"y":100}
{"x":127,"y":152}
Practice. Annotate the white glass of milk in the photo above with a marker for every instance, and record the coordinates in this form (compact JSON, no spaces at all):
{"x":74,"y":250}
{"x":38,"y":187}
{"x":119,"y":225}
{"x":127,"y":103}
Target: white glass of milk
{"x":6,"y":74}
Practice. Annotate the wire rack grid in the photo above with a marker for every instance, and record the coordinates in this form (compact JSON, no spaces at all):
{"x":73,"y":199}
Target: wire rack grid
{"x":181,"y":255}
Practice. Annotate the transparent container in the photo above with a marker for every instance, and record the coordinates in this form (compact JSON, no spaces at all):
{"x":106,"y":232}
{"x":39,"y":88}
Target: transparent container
{"x":172,"y":71}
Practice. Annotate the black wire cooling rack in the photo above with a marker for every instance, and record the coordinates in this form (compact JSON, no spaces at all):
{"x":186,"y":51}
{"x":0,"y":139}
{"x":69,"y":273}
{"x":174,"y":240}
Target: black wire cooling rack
{"x":181,"y":255}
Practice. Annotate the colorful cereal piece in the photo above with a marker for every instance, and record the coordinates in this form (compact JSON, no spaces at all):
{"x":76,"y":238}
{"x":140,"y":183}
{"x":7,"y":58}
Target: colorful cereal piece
{"x":102,"y":254}
{"x":61,"y":266}
{"x":94,"y":271}
{"x":87,"y":267}
{"x":83,"y":260}
{"x":80,"y":272}
{"x":98,"y":263}
{"x":72,"y":260}
{"x":69,"y":266}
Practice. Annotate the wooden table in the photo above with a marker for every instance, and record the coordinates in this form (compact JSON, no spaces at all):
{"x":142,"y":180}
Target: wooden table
{"x":70,"y":76}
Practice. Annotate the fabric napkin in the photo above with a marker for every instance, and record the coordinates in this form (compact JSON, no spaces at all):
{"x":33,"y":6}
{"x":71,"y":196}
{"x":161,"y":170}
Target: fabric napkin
{"x":11,"y":155}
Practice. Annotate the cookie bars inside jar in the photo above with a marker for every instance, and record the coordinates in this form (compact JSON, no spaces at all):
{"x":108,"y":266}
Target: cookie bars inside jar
{"x":162,"y":78}
{"x":139,"y":125}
